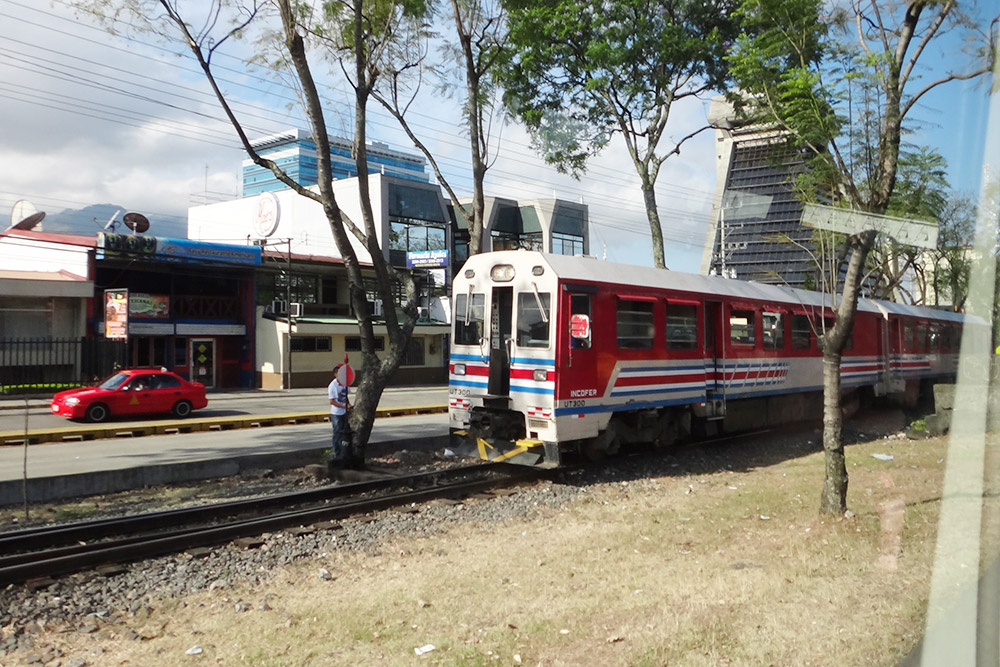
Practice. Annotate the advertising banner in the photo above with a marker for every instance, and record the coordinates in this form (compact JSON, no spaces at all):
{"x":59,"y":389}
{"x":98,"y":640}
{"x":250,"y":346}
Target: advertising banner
{"x":116,"y":314}
{"x":149,"y":306}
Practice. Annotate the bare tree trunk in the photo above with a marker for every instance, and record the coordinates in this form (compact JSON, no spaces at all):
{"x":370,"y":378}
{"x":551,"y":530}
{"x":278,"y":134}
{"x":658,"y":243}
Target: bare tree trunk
{"x":834,"y":499}
{"x":653,"y":215}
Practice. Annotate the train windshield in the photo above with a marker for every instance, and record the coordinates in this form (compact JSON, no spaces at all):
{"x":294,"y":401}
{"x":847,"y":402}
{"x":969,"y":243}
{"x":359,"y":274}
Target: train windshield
{"x":533,"y":319}
{"x":470,"y":312}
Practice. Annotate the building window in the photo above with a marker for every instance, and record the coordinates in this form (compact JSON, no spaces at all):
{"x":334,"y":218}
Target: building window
{"x":515,"y":241}
{"x":353,"y":344}
{"x":635,"y":324}
{"x":414,"y":235}
{"x":274,"y":287}
{"x":414,"y":355}
{"x":566,"y":244}
{"x":682,"y":327}
{"x":741,"y":326}
{"x":311,"y":344}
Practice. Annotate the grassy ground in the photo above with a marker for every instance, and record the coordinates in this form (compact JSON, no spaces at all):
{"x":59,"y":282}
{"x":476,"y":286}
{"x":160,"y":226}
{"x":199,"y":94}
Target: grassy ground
{"x":721,"y":567}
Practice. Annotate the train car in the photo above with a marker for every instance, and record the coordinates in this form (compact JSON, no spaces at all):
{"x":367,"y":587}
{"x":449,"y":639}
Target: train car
{"x":552,"y":353}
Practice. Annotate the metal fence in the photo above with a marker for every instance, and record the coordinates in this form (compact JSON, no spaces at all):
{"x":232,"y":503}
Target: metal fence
{"x":39,"y":365}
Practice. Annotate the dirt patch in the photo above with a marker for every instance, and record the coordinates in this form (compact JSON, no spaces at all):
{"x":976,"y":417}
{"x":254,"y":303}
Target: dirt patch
{"x":706,"y":556}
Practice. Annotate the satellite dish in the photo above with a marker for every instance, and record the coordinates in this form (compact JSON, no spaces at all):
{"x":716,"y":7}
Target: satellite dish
{"x":30,"y":222}
{"x":137,"y":222}
{"x":24,"y":215}
{"x":22,"y":209}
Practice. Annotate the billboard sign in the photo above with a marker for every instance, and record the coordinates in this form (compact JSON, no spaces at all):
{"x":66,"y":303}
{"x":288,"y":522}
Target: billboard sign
{"x":427,"y":259}
{"x":116,"y":314}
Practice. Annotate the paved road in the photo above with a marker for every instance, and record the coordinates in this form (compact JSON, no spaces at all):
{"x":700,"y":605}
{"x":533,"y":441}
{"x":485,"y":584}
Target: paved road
{"x":229,"y":404}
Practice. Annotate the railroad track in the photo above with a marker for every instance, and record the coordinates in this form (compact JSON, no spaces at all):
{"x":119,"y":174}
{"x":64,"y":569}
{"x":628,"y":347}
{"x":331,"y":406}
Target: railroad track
{"x":42,"y":553}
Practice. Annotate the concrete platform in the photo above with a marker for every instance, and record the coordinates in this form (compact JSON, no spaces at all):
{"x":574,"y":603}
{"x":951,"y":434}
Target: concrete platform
{"x":66,"y":470}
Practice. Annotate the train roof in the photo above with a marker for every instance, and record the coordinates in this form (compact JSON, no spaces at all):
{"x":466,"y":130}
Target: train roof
{"x":589,"y":269}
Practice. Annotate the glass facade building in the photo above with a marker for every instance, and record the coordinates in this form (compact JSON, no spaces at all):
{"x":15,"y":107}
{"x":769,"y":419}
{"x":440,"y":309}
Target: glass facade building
{"x":295,"y":152}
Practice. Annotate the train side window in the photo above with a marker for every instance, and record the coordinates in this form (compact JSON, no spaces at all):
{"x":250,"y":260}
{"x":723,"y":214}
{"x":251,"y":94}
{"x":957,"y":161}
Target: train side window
{"x":682,"y":326}
{"x":635,"y":324}
{"x":774,"y":331}
{"x":469,"y":317}
{"x":579,"y":304}
{"x":921,"y":337}
{"x":934,"y":338}
{"x":801,"y":332}
{"x":741,"y":327}
{"x":908,"y":337}
{"x":533,"y":319}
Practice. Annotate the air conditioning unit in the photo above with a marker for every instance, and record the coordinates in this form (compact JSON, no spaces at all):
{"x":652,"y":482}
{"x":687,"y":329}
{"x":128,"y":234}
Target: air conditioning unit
{"x":423,"y":314}
{"x":279,"y":307}
{"x":296,"y":310}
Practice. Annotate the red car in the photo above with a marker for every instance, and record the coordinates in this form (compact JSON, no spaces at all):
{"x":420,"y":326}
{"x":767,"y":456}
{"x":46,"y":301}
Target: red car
{"x":132,"y":392}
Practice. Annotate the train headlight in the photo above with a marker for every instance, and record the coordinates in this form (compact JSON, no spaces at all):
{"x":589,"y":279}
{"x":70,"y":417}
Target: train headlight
{"x":459,"y":369}
{"x":540,"y":375}
{"x":502,"y":273}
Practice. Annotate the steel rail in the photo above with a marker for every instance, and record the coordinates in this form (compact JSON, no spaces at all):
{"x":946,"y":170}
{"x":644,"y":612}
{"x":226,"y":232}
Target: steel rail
{"x":23,"y":567}
{"x":50,"y":536}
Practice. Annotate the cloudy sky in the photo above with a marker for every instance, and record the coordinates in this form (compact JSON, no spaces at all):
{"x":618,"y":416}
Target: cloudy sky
{"x":93,"y":118}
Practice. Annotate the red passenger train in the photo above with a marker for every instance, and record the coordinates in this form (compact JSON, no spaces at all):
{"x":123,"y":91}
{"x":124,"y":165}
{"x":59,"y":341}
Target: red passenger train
{"x":552,"y":353}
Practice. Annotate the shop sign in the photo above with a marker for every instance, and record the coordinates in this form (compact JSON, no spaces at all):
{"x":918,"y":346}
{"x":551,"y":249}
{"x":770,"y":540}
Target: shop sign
{"x":427,"y":259}
{"x":116,"y":314}
{"x":164,"y":249}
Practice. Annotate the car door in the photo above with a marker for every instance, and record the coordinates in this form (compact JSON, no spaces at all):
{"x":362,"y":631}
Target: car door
{"x":135,"y":397}
{"x":166,"y":391}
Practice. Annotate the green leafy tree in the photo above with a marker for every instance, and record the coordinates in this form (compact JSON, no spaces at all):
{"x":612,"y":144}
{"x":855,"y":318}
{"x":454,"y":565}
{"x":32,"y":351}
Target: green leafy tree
{"x":581,"y":71}
{"x":289,"y":37}
{"x":788,"y":67}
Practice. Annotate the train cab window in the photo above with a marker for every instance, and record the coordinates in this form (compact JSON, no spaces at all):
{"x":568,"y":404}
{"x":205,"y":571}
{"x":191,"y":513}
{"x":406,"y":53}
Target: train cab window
{"x":635,"y":324}
{"x":741,"y":327}
{"x":801,"y":332}
{"x":533,"y":319}
{"x":470,"y":312}
{"x":773,"y":333}
{"x":682,"y":326}
{"x":579,"y":304}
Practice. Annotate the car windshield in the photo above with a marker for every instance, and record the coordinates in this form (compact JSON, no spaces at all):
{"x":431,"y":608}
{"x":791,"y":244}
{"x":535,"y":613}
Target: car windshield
{"x":113,"y":382}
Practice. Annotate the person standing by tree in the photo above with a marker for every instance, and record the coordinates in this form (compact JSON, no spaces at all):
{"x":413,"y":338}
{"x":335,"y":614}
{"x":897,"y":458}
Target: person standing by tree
{"x":340,"y":403}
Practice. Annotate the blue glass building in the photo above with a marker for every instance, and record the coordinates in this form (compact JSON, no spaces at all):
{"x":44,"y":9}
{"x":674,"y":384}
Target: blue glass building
{"x":295,"y":152}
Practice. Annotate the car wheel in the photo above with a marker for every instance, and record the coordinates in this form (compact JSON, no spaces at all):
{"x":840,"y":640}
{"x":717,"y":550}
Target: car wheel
{"x":182,"y":409}
{"x":97,"y":412}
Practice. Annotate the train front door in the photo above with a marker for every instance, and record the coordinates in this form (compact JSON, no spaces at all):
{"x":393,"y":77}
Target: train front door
{"x":500,"y":340}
